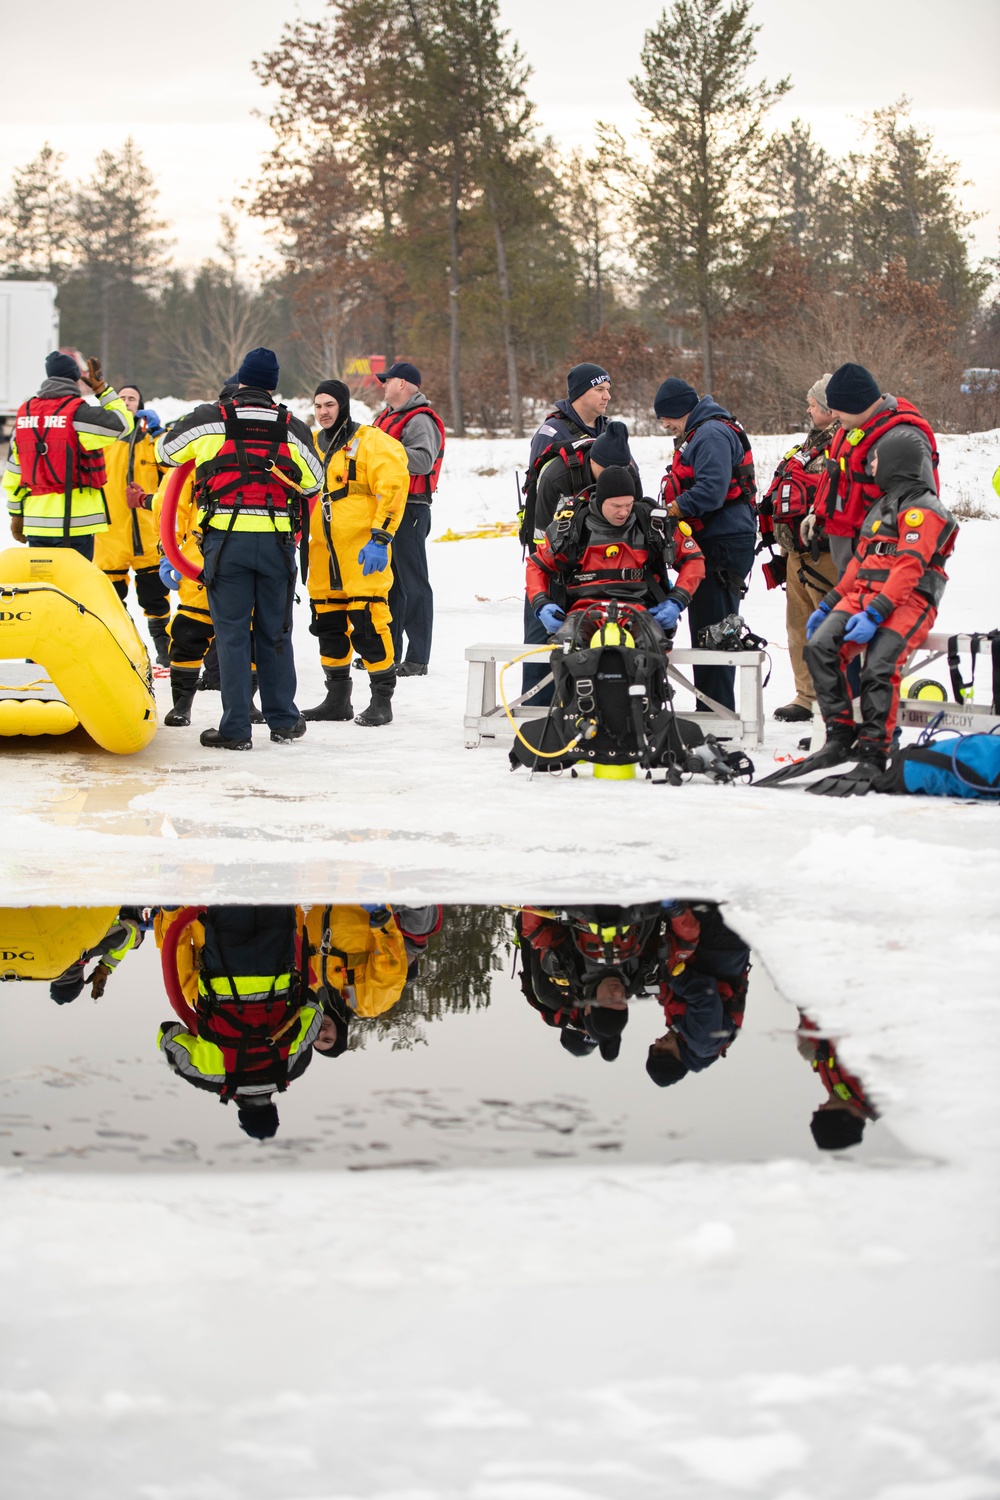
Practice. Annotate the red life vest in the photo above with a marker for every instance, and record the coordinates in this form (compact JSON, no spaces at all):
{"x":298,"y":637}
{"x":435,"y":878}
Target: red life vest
{"x":394,"y":423}
{"x":574,"y":456}
{"x":790,"y":494}
{"x":681,"y":475}
{"x":241,"y":479}
{"x":845,"y":492}
{"x":49,"y":448}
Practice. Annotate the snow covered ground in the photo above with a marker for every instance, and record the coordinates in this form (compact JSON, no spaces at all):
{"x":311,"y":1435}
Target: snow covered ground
{"x":788,"y":1329}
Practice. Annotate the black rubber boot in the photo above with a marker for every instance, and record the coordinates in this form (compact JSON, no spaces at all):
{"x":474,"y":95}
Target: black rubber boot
{"x":337,"y":703}
{"x":157,"y":626}
{"x":217,"y":741}
{"x":183,"y":686}
{"x":209,"y":681}
{"x":379,"y":710}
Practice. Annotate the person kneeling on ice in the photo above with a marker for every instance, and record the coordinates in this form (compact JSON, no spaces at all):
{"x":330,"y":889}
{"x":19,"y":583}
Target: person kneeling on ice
{"x":887,"y":601}
{"x":613,"y":546}
{"x":703,"y":993}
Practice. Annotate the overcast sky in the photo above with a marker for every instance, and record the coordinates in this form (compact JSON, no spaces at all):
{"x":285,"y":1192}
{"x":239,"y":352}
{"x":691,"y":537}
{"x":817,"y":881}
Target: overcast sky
{"x":178,"y":78}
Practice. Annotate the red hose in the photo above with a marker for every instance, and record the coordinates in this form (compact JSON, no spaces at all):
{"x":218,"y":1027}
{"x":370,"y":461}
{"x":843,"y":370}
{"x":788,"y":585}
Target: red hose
{"x":168,"y":522}
{"x":168,"y":962}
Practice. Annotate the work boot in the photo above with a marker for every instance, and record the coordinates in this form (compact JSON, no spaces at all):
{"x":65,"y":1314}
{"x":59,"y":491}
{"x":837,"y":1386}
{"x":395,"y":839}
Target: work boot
{"x":379,"y":710}
{"x":419,"y":669}
{"x":217,"y":741}
{"x":183,"y":686}
{"x":286,"y":736}
{"x":792,"y":713}
{"x":157,"y":627}
{"x":337,"y":703}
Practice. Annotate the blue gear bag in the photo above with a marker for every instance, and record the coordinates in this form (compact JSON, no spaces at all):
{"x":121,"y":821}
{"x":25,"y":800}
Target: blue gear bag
{"x":962,"y":765}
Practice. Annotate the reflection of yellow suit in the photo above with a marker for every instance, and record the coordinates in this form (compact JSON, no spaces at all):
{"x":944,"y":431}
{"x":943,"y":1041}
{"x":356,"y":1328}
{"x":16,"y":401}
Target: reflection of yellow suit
{"x":131,"y":541}
{"x":191,"y":629}
{"x":365,"y":487}
{"x":366,"y":966}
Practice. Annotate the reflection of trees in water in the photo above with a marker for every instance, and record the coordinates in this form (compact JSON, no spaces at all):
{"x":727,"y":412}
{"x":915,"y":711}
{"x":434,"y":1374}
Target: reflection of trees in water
{"x":456,"y":973}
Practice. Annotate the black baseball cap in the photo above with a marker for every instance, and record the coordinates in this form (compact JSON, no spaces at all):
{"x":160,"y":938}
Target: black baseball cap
{"x":402,"y":371}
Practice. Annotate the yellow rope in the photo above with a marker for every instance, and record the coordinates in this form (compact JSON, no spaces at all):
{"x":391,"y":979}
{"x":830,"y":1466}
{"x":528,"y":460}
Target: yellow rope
{"x":541,"y":754}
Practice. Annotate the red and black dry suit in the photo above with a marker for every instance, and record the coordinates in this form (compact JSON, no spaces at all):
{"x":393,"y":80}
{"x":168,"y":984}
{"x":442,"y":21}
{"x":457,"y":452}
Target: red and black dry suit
{"x":584,"y":559}
{"x":896,"y":573}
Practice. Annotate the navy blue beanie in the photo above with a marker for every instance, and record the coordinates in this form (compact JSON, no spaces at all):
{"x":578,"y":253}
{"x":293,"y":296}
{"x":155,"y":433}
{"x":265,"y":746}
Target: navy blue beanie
{"x":61,"y":366}
{"x":259,"y":1120}
{"x":664,"y":1068}
{"x":675,"y":398}
{"x":852,"y":389}
{"x":612,"y":447}
{"x":583,"y":378}
{"x":260,"y":369}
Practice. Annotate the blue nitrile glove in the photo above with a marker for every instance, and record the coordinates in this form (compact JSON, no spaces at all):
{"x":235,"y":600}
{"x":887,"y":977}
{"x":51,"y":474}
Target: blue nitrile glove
{"x":169,"y":574}
{"x":152,"y":421}
{"x":374,"y":556}
{"x":551,"y":616}
{"x":378,"y":916}
{"x":815,"y":620}
{"x":861,"y":628}
{"x":666,"y":614}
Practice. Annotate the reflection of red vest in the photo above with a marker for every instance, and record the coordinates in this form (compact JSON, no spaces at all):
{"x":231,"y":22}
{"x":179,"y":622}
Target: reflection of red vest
{"x":394,"y":422}
{"x":681,"y":476}
{"x":49,"y":451}
{"x":845,"y":492}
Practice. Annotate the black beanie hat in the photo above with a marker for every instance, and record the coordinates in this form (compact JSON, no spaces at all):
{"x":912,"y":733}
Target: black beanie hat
{"x":67,"y":987}
{"x":340,"y":393}
{"x":260,"y":369}
{"x":836,"y":1129}
{"x":613,"y":481}
{"x":130,"y":385}
{"x":675,"y":398}
{"x":664,"y":1068}
{"x":611,"y":448}
{"x":583,"y":377}
{"x":259,"y":1120}
{"x":578,"y":1043}
{"x":609,"y":1047}
{"x":852,"y":389}
{"x":61,"y":366}
{"x":603,"y":1023}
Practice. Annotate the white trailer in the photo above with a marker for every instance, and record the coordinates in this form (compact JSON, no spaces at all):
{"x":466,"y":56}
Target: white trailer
{"x":29,"y":329}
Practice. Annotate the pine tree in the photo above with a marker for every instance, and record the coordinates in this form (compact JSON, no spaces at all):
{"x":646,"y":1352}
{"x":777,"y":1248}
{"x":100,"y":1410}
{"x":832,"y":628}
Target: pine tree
{"x":36,"y":220}
{"x":808,"y":194}
{"x":118,"y":242}
{"x":698,"y":210}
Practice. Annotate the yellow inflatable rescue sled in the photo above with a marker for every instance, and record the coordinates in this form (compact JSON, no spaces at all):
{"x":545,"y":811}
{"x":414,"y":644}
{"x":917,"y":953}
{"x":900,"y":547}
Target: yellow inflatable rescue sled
{"x":40,"y":942}
{"x":70,"y":653}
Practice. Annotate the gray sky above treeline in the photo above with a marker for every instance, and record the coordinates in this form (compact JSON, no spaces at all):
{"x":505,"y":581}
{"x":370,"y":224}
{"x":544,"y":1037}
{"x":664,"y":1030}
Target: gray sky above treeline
{"x":178,"y":79}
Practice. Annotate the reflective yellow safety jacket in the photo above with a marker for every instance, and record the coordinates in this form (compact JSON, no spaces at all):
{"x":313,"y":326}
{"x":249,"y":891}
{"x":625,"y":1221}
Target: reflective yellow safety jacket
{"x":366,"y":966}
{"x":132,"y":540}
{"x":94,"y":427}
{"x":202,"y":436}
{"x":365,"y":485}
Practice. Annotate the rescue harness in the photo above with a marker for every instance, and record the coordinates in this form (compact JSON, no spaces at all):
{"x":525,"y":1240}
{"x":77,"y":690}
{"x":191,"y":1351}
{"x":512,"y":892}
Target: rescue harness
{"x":49,"y":443}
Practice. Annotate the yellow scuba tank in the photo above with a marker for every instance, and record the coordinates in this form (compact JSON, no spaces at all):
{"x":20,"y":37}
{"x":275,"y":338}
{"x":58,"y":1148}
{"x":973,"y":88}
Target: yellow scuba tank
{"x":40,"y":942}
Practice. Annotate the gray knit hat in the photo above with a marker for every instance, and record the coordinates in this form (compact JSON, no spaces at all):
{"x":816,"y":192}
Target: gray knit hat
{"x":818,"y":391}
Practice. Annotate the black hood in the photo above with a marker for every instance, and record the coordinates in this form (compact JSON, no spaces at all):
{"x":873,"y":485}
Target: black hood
{"x":904,"y":462}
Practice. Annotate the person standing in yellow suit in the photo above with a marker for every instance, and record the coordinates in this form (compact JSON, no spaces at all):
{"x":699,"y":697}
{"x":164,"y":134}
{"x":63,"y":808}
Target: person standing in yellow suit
{"x":366,"y":482}
{"x":130,"y":543}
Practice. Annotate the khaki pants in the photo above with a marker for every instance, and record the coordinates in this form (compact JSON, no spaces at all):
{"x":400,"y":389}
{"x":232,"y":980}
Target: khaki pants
{"x":800,"y":601}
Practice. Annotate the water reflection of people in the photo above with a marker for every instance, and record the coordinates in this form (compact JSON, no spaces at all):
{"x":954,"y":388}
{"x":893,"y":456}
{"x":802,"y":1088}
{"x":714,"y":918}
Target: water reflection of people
{"x":123,"y":936}
{"x":703,"y":995}
{"x":251,"y":1020}
{"x":840,"y":1121}
{"x":581,"y":965}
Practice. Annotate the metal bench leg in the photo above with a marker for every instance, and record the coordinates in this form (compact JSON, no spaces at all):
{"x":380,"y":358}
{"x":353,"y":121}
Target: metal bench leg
{"x":474,"y":699}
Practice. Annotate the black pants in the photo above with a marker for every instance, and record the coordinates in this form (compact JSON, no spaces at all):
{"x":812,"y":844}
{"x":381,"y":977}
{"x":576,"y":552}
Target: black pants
{"x":250,"y":577}
{"x":411,"y":599}
{"x":82,"y":544}
{"x":713,"y":600}
{"x":536,"y":667}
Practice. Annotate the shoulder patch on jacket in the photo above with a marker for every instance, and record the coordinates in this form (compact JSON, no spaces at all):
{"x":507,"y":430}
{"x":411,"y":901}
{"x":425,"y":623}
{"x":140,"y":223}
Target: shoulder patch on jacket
{"x":549,"y":431}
